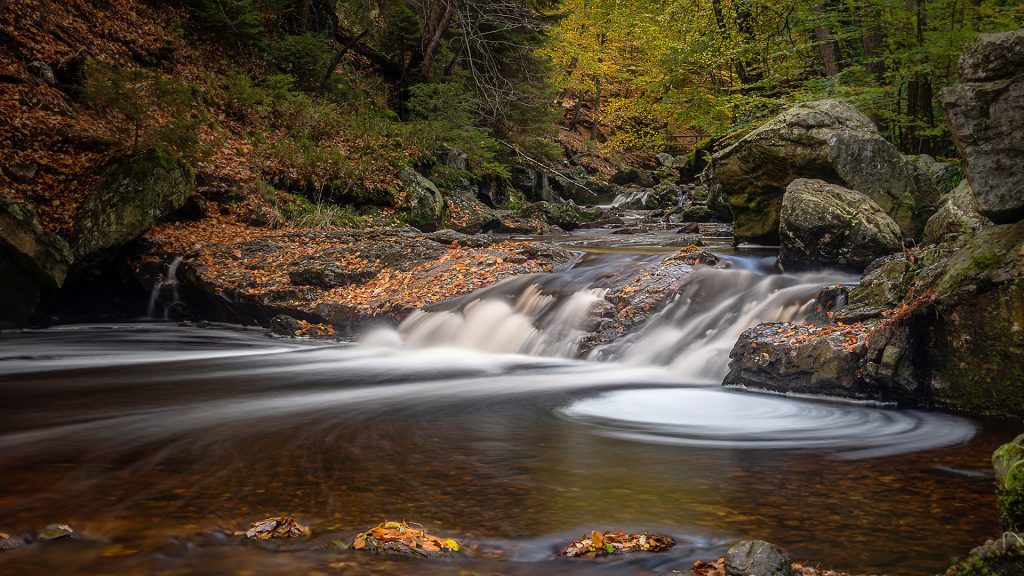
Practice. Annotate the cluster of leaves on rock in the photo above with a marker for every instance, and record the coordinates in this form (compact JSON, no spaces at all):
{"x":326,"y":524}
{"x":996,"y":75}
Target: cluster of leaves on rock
{"x":598,"y":544}
{"x":402,"y":537}
{"x":645,"y":70}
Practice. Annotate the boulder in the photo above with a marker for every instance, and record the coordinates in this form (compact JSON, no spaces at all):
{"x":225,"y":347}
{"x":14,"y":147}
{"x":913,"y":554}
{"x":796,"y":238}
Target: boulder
{"x":985,"y":111}
{"x":757,"y":558}
{"x":493,"y":191}
{"x":665,"y":160}
{"x":826,"y":140}
{"x":958,"y":215}
{"x":1008,"y":463}
{"x":424,"y":201}
{"x":824,"y":225}
{"x":30,"y":260}
{"x":1002,"y":556}
{"x":534,"y":184}
{"x":940,"y":330}
{"x":566,"y":215}
{"x":631,"y":175}
{"x":132,"y":197}
{"x":933,"y":179}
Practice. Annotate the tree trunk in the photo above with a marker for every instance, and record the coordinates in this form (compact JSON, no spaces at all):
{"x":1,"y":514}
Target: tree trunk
{"x":576,"y":113}
{"x":595,"y":127}
{"x":827,"y":48}
{"x":871,"y":18}
{"x":439,"y":19}
{"x":339,"y":57}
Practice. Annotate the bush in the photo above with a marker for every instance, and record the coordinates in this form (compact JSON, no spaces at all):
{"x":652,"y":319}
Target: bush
{"x":237,"y":20}
{"x":304,"y":56}
{"x":156,"y":112}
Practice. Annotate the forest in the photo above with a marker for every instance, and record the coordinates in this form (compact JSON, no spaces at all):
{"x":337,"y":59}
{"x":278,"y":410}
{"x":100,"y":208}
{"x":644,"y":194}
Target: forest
{"x":517,"y":287}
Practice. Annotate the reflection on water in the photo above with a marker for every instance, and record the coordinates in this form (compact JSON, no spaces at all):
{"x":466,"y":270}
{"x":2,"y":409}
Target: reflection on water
{"x":144,"y":436}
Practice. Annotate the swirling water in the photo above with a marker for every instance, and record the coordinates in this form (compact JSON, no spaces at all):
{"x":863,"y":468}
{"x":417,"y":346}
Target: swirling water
{"x":476,"y":420}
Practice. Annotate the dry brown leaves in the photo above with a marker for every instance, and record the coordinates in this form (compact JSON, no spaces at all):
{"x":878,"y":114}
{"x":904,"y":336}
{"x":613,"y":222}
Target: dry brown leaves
{"x":400,"y":536}
{"x":460,"y":270}
{"x":717,"y":568}
{"x":276,"y":528}
{"x":598,"y":544}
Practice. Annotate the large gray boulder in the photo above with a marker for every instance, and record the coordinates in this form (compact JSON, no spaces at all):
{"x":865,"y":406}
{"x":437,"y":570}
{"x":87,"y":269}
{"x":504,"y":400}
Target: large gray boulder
{"x":827,"y":140}
{"x":757,"y":558}
{"x":958,"y":215}
{"x":940,"y":330}
{"x":30,"y":260}
{"x":824,"y":225}
{"x":425,"y":203}
{"x":986,"y":115}
{"x":132,"y":197}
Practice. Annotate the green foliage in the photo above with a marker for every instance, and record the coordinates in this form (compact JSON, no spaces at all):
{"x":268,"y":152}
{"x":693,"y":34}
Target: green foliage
{"x":237,"y":20}
{"x":303,"y":56}
{"x":441,"y":117}
{"x":160,"y":112}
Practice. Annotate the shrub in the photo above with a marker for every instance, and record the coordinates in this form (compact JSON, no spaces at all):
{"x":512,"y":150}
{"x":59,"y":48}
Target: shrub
{"x":237,"y":20}
{"x":304,"y":56}
{"x":160,"y":112}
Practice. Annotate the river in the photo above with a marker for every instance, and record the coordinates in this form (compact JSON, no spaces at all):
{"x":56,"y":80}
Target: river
{"x":478,"y":420}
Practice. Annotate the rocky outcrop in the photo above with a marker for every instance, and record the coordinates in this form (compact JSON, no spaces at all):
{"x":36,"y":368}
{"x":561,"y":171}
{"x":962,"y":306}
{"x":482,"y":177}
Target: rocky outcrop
{"x":826,"y":140}
{"x":943,"y":328}
{"x":1008,"y":464}
{"x":957,"y":216}
{"x":131,"y":198}
{"x":986,"y":115}
{"x":566,"y":215}
{"x":30,"y":260}
{"x":757,"y":558}
{"x":933,"y":179}
{"x":424,"y":202}
{"x":824,"y":225}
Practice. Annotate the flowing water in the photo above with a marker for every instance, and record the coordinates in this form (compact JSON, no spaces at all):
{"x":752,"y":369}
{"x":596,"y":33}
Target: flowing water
{"x":477,"y":420}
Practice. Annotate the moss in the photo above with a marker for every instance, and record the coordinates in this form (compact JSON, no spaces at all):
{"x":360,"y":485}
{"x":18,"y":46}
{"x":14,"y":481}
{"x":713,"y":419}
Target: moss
{"x":1011,"y":497}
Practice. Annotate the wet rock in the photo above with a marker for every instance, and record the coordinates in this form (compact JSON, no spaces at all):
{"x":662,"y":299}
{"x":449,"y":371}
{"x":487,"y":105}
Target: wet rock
{"x":534,"y":184}
{"x":131,"y":197}
{"x":823,"y":225}
{"x":957,"y":216}
{"x":452,"y":237}
{"x":327,"y":276}
{"x":566,"y":215}
{"x":757,"y":558}
{"x":598,"y":544}
{"x":425,"y":203}
{"x":30,"y":261}
{"x":8,"y":542}
{"x":826,"y":140}
{"x":276,"y":528}
{"x":883,"y":287}
{"x":284,"y":325}
{"x":940,"y":330}
{"x":1000,"y":556}
{"x":1008,"y":464}
{"x":493,"y":191}
{"x":985,"y":111}
{"x":404,"y":539}
{"x":55,"y":532}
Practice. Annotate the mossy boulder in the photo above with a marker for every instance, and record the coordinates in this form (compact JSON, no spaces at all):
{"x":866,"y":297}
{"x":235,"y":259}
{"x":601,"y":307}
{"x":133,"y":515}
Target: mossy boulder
{"x":131,"y":197}
{"x":424,"y":203}
{"x":30,"y":260}
{"x":824,"y":225}
{"x":826,"y":140}
{"x":1008,"y":463}
{"x":1003,"y":556}
{"x":566,"y":215}
{"x":957,"y":216}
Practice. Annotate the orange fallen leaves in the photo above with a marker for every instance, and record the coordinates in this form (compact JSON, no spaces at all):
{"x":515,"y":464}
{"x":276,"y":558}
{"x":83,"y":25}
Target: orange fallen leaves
{"x":275,"y":528}
{"x":402,"y":537}
{"x":598,"y":544}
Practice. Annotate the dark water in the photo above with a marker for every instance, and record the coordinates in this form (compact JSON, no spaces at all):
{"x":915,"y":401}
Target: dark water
{"x":149,"y":438}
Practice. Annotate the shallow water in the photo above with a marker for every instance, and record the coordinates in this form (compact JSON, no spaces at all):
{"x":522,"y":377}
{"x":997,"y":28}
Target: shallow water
{"x":147,"y":438}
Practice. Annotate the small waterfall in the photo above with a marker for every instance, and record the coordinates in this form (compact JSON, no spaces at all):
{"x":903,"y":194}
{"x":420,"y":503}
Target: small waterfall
{"x":695,"y":332}
{"x":166,"y":286}
{"x":552,"y":314}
